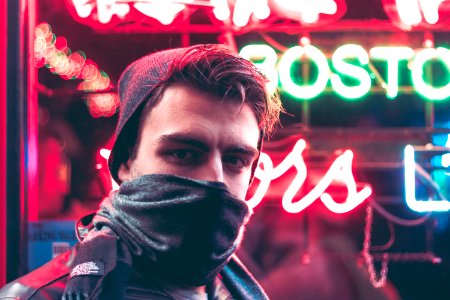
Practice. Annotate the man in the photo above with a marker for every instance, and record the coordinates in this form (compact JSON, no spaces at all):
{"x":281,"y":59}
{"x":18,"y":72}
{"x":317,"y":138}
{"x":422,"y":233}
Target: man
{"x":187,"y":143}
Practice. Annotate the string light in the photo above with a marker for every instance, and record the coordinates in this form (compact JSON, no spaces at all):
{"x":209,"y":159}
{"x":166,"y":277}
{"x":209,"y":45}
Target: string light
{"x":53,"y":52}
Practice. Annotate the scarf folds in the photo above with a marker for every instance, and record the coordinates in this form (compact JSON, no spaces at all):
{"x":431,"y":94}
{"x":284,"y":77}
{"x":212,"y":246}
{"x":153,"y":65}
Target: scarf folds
{"x":179,"y":230}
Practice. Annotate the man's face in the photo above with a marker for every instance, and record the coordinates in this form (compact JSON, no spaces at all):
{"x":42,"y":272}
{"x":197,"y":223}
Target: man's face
{"x":195,"y":135}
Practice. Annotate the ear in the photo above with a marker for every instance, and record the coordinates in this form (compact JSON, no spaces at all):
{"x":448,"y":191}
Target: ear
{"x":124,"y":171}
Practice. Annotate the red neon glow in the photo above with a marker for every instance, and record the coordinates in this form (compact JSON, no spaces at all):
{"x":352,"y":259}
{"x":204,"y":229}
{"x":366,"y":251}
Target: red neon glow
{"x":105,"y":153}
{"x":164,"y":11}
{"x":411,"y":12}
{"x":103,"y":10}
{"x":83,"y":7}
{"x":340,"y":170}
{"x":307,"y":11}
{"x":103,"y":160}
{"x":240,"y":11}
{"x":106,"y":9}
{"x":408,"y":14}
{"x":310,"y":13}
{"x":108,"y":13}
{"x":244,"y":9}
{"x":221,"y":9}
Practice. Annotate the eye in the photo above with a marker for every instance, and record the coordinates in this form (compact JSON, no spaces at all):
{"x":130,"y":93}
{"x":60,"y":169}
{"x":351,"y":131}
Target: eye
{"x":184,"y":156}
{"x":236,"y":163}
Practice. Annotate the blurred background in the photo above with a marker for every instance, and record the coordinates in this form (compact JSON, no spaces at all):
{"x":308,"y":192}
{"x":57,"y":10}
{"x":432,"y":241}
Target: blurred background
{"x":365,"y":86}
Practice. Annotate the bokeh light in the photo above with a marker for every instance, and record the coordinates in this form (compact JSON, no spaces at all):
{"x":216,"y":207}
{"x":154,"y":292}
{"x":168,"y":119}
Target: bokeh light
{"x":53,"y":52}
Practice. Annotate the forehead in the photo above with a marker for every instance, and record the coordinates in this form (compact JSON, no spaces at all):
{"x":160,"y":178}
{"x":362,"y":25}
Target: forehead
{"x":185,"y":108}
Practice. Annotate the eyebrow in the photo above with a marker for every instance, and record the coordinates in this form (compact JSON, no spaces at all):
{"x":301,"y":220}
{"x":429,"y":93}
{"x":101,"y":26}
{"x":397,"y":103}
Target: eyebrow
{"x":195,"y":142}
{"x":247,"y":151}
{"x":183,"y":139}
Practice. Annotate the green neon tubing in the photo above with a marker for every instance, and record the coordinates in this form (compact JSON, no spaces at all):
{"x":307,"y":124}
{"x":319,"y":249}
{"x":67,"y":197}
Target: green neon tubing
{"x":424,"y":89}
{"x":351,"y":70}
{"x":392,"y":55}
{"x":305,"y":92}
{"x":257,"y":52}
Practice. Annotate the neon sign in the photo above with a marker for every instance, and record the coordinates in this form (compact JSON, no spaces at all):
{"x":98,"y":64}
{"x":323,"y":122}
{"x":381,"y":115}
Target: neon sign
{"x":351,"y":61}
{"x":102,"y":12}
{"x":406,"y":14}
{"x":242,"y":12}
{"x":105,"y":13}
{"x":419,"y":205}
{"x":103,"y":154}
{"x":340,"y":170}
{"x":409,"y":14}
{"x":446,"y":157}
{"x":163,"y":11}
{"x":311,"y":12}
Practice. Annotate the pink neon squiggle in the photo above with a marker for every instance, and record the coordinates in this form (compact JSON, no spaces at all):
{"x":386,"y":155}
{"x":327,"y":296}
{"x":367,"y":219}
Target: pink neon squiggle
{"x":341,"y":170}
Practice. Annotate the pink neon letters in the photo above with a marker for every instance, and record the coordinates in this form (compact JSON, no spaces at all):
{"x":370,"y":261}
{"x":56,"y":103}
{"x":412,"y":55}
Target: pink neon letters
{"x":340,"y":170}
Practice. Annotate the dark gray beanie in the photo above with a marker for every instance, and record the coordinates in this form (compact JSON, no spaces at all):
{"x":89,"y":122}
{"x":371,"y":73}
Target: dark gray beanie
{"x":136,"y":84}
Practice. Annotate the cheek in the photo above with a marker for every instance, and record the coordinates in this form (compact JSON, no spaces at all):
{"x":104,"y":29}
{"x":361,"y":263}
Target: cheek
{"x":154,"y":164}
{"x":238,"y":187}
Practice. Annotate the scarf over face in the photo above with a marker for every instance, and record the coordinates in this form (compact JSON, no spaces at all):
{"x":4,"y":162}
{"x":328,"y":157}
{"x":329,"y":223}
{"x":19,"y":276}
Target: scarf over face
{"x":182,"y":230}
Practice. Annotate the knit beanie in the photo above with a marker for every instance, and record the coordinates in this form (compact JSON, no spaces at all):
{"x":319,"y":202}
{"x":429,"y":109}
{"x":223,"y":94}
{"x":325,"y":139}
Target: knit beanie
{"x":136,"y":85}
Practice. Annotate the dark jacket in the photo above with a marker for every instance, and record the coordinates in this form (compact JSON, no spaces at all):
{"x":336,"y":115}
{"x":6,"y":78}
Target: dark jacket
{"x":49,"y":282}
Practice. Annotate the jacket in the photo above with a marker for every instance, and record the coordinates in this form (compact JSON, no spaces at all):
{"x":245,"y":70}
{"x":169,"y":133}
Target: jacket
{"x":49,"y":282}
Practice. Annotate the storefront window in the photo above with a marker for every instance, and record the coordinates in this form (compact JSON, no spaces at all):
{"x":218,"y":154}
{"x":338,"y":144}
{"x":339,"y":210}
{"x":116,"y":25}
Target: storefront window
{"x":350,"y":78}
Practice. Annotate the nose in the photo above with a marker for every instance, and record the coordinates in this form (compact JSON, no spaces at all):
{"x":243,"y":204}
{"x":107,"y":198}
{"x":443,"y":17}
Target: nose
{"x":213,"y":170}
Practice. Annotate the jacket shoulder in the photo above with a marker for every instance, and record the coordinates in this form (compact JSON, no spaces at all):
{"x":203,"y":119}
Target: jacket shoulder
{"x":46,"y":282}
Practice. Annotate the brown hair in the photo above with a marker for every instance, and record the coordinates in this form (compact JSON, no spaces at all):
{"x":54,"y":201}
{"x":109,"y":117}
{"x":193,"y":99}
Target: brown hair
{"x":216,"y":70}
{"x":210,"y":68}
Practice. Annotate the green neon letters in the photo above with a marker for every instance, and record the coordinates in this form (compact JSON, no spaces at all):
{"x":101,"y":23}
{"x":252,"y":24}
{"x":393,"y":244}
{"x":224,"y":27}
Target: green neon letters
{"x":349,"y":70}
{"x":346,"y":68}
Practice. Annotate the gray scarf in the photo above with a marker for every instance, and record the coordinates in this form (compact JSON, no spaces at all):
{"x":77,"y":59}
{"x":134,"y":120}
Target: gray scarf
{"x":180,"y":230}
